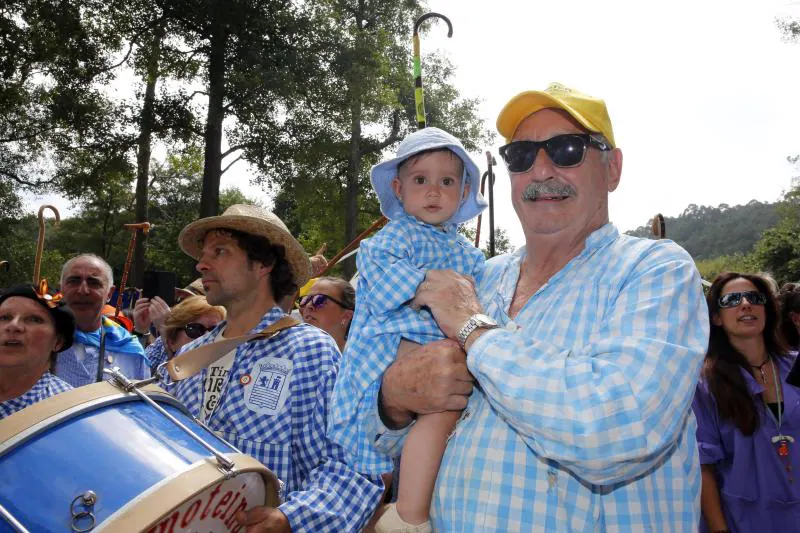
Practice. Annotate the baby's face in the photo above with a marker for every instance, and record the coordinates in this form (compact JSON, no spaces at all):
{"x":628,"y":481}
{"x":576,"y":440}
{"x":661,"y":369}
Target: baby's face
{"x":429,"y":187}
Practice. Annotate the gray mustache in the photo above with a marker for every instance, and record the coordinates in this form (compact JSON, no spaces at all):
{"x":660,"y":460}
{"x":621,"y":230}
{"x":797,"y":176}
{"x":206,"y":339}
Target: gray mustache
{"x":547,"y":188}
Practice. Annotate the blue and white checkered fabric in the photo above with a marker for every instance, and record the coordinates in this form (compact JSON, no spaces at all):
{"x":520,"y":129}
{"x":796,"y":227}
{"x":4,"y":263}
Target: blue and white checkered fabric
{"x":156,"y":352}
{"x":323,"y":493}
{"x":79,"y":373}
{"x":48,"y":385}
{"x":582,"y":421}
{"x":390,"y":265}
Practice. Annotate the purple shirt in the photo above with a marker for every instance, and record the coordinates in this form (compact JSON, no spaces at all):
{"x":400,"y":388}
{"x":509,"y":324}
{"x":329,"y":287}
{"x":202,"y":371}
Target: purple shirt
{"x":752,"y":478}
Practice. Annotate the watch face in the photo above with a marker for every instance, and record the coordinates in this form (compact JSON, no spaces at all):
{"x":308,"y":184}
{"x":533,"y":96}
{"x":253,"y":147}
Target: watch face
{"x":484,"y":320}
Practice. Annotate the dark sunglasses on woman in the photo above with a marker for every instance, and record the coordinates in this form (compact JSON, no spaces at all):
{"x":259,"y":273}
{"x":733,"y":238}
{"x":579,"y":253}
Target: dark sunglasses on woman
{"x":195,"y":330}
{"x":318,"y":300}
{"x":732,"y":299}
{"x":567,"y":150}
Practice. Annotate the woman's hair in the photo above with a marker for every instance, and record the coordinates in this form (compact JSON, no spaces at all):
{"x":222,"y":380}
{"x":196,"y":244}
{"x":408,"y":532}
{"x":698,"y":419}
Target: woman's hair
{"x":348,"y":297}
{"x":187,"y":311}
{"x":723,"y":362}
{"x":790,"y":303}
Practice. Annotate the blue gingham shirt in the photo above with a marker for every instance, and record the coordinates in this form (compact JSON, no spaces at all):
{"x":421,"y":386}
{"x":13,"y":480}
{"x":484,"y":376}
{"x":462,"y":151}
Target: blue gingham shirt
{"x":156,"y":353}
{"x":391,"y":265}
{"x":582,"y":420}
{"x":47,"y":386}
{"x":79,"y":373}
{"x":322,"y":492}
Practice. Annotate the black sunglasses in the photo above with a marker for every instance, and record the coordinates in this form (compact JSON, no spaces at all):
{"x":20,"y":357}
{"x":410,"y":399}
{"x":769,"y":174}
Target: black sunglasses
{"x":732,"y":299}
{"x":567,"y":150}
{"x":318,"y":300}
{"x":195,"y":330}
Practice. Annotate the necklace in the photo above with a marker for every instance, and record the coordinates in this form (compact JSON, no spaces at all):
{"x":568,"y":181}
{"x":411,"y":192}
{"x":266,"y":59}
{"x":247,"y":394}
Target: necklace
{"x":761,"y":369}
{"x":780,"y":439}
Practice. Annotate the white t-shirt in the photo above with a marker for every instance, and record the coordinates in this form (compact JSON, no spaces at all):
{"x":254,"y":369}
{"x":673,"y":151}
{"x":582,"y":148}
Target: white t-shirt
{"x":216,"y":379}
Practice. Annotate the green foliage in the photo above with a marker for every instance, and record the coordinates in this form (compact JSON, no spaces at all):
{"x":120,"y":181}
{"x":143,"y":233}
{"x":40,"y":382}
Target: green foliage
{"x":710,"y":268}
{"x":709,"y":232}
{"x":502,"y":244}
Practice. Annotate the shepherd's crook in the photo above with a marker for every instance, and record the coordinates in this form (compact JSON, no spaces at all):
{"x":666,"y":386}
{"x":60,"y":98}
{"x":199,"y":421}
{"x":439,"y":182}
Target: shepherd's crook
{"x":659,"y":227}
{"x":419,"y":96}
{"x":145,"y":227}
{"x":37,"y":264}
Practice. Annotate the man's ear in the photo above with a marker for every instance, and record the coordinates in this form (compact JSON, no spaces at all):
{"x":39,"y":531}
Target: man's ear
{"x":110,"y":293}
{"x":614,"y":169}
{"x":397,"y":186}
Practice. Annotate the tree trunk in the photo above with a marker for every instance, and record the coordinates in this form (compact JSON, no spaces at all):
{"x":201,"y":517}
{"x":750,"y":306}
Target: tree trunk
{"x":143,"y":155}
{"x":353,"y":171}
{"x":212,"y":168}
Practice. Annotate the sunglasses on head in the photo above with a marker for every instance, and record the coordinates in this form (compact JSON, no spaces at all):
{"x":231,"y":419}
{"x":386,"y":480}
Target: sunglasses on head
{"x":732,"y":299}
{"x":195,"y":330}
{"x":318,"y":300}
{"x":567,"y":150}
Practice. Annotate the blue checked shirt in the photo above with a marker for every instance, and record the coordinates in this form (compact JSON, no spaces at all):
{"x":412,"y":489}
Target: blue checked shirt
{"x":283,"y":424}
{"x":581,"y":421}
{"x":390,"y":265}
{"x":48,"y":385}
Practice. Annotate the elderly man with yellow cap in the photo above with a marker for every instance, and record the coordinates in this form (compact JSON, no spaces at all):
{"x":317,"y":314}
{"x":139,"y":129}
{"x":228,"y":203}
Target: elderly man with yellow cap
{"x":575,"y":358}
{"x":269,"y":396}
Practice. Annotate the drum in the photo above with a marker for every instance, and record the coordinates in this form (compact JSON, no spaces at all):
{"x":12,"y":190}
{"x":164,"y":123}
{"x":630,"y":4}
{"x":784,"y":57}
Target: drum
{"x":97,"y":458}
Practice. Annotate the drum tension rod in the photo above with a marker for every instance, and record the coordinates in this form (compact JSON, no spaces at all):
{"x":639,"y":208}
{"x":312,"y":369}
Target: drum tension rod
{"x":225,"y":464}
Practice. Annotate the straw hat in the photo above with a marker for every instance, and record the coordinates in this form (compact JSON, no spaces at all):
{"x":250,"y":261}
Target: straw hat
{"x":255,"y":221}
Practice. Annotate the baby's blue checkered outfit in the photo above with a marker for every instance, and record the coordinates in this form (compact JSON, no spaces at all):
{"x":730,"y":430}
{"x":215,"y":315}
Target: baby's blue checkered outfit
{"x":391,"y":265}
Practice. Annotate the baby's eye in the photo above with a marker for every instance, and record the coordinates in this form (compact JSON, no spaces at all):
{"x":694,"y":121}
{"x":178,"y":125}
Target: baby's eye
{"x":419,"y":180}
{"x":448,"y":182}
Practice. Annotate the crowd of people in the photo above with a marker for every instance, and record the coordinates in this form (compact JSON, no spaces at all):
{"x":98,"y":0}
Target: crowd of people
{"x":584,"y":382}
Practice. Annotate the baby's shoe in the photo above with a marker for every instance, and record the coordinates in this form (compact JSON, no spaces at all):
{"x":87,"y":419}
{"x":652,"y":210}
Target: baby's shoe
{"x":390,"y":522}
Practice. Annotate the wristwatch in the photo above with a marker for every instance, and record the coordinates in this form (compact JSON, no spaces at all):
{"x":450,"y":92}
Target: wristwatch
{"x":476,"y":321}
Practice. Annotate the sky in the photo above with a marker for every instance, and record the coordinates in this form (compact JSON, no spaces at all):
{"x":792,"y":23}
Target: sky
{"x":704,"y":95}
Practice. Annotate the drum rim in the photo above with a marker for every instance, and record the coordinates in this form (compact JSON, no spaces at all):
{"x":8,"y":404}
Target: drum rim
{"x":142,"y":513}
{"x":55,"y":410}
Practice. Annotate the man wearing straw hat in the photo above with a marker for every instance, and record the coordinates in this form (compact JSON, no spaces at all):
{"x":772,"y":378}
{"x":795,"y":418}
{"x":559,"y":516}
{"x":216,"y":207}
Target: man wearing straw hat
{"x":582,"y":420}
{"x":269,"y":396}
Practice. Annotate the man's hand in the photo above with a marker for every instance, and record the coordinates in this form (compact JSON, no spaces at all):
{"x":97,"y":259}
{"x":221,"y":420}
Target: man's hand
{"x":429,"y":379}
{"x":451,"y":298}
{"x":264,"y":520}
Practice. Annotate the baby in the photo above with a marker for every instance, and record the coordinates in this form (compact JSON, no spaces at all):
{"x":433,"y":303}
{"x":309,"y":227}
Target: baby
{"x":430,"y":187}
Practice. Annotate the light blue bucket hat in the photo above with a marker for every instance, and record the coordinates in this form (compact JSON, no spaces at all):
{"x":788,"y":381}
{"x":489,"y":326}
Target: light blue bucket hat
{"x":423,"y":140}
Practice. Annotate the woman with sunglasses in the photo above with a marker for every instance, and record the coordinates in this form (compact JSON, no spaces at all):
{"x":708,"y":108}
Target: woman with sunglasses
{"x":33,"y":327}
{"x":329,"y":306}
{"x":188,"y":320}
{"x":748,"y":417}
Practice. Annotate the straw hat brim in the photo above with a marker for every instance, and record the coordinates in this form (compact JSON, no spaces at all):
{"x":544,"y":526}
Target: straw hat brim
{"x":190,"y":239}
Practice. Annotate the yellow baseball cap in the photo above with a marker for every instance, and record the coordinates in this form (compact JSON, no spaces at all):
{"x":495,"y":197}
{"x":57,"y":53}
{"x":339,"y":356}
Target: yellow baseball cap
{"x":590,"y":112}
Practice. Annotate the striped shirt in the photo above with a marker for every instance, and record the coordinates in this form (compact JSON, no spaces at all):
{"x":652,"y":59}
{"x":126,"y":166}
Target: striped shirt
{"x":582,"y":420}
{"x":47,"y":386}
{"x":273,"y":406}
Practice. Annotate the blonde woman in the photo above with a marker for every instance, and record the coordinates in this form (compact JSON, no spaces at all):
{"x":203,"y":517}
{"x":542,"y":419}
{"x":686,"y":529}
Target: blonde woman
{"x":188,"y":320}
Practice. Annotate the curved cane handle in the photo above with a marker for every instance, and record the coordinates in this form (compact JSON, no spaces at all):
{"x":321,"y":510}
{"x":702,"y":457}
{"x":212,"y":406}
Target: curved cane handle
{"x":37,"y":264}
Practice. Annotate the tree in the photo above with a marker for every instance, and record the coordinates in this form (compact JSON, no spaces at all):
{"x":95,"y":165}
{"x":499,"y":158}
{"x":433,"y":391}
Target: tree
{"x":357,"y":103}
{"x":778,"y":251}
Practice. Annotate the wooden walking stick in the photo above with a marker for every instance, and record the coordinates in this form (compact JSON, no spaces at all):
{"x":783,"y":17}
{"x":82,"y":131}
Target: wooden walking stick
{"x":134,"y":229}
{"x":659,"y":227}
{"x":37,"y":264}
